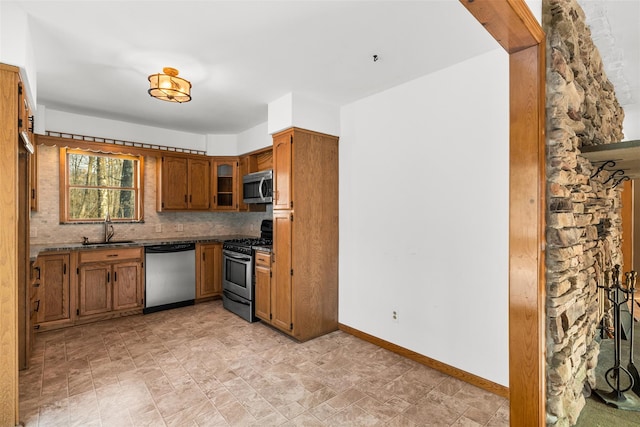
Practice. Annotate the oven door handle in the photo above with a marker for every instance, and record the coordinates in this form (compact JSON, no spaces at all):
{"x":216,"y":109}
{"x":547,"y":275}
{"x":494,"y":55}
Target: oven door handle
{"x":239,"y":258}
{"x":228,"y":295}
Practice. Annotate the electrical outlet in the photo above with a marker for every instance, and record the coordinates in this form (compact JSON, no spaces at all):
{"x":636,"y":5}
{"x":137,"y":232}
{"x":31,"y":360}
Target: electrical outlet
{"x":158,"y":228}
{"x":395,"y":316}
{"x":179,"y":227}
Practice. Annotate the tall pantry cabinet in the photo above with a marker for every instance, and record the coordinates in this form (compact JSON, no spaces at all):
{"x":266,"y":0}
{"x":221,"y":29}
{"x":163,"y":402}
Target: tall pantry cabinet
{"x":304,"y":283}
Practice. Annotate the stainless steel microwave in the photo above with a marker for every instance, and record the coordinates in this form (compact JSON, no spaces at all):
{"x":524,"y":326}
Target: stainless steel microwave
{"x":257,"y":187}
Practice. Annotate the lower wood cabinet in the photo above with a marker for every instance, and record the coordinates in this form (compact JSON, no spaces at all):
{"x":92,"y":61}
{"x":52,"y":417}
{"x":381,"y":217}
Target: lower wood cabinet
{"x":108,"y":287}
{"x":110,"y":281}
{"x":263,"y":286}
{"x":50,"y":296}
{"x":209,"y":270}
{"x":273,"y":297}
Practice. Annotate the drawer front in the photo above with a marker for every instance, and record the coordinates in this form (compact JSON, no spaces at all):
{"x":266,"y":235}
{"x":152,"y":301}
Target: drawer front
{"x":102,"y":255}
{"x":263,"y":259}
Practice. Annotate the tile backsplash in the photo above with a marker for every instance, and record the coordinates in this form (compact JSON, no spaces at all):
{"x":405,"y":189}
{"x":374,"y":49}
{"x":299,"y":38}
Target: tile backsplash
{"x":46,"y":227}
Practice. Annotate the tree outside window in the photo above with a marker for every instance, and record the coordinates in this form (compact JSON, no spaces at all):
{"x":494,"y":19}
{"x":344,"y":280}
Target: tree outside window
{"x":97,"y":184}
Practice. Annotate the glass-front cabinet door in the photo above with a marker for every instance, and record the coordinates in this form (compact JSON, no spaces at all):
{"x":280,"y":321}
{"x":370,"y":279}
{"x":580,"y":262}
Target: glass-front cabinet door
{"x":225,"y":195}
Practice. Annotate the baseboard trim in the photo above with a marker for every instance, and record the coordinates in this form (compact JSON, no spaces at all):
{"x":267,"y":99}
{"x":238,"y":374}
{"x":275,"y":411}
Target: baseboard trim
{"x":472,"y":379}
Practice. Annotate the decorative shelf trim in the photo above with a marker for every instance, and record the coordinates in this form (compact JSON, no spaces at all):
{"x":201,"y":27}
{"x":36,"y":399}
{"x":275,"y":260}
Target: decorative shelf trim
{"x":121,"y":143}
{"x":617,"y":156}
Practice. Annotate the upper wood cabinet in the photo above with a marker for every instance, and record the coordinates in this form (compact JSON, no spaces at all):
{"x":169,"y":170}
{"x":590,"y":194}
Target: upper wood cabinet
{"x":198,"y":184}
{"x":51,"y":296}
{"x":183,"y":183}
{"x":209,"y":270}
{"x":25,"y":126}
{"x":282,"y":144}
{"x":225,"y":184}
{"x":33,"y":180}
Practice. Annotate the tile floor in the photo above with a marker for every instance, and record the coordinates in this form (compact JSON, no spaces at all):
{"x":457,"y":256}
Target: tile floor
{"x":201,"y":366}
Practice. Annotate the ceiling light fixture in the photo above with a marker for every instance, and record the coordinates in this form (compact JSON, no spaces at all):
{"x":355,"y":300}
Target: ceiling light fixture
{"x":169,"y":87}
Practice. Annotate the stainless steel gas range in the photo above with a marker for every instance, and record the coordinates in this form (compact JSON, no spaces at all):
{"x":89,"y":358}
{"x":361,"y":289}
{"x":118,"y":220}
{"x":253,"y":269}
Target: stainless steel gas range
{"x":238,"y":281}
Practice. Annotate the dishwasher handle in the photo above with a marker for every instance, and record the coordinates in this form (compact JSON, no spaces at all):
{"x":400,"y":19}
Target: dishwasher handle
{"x":169,"y":248}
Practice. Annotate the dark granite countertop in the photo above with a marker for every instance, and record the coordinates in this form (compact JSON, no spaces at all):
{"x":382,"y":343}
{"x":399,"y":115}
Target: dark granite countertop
{"x":35,"y":250}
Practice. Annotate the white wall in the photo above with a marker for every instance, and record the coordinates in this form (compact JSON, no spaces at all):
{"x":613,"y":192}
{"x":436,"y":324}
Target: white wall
{"x":424,"y":215}
{"x":298,"y":110}
{"x":254,"y":139}
{"x":222,"y":145}
{"x":631,"y":124}
{"x":213,"y":144}
{"x":16,"y":48}
{"x":60,"y":121}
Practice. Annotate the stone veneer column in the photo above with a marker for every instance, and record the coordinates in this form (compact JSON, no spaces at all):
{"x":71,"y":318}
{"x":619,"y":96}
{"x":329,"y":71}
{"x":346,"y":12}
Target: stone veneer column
{"x":583,"y":212}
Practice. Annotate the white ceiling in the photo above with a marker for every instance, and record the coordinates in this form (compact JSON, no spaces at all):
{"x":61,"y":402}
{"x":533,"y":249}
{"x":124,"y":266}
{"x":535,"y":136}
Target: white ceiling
{"x":93,"y":57}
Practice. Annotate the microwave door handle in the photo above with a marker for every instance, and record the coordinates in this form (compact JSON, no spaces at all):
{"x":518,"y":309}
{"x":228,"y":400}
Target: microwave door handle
{"x":260,"y":188}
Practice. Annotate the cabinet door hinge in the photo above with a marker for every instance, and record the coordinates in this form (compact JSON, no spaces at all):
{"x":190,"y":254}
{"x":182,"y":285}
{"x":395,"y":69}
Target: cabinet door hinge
{"x":19,"y":123}
{"x":270,"y":316}
{"x":291,"y":203}
{"x":291,"y":139}
{"x":19,"y":90}
{"x":291,"y":217}
{"x":78,"y":312}
{"x":291,"y":326}
{"x":270,"y":274}
{"x":142,"y":265}
{"x":33,"y":193}
{"x":77,"y":270}
{"x":64,"y":269}
{"x":292,"y":271}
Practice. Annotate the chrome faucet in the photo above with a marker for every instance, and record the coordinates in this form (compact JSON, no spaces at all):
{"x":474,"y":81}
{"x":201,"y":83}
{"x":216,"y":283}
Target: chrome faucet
{"x":108,"y":228}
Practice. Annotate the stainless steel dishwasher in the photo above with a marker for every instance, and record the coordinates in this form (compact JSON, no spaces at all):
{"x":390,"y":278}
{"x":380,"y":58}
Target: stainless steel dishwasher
{"x":170,"y":276}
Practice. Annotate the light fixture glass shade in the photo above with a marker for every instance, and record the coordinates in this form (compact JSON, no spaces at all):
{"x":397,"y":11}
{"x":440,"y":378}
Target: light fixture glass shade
{"x":169,"y":87}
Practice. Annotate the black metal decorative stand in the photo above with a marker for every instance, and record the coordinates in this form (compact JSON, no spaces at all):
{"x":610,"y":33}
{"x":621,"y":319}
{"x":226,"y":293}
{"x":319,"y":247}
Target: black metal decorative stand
{"x":618,"y":377}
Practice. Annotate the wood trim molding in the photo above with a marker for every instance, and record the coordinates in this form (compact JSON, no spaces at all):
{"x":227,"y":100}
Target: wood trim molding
{"x":513,"y":26}
{"x":9,"y":245}
{"x":105,"y":147}
{"x":467,"y":377}
{"x":510,"y":22}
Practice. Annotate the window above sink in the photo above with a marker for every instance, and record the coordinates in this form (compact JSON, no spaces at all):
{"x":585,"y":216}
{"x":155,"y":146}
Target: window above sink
{"x":96,"y":184}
